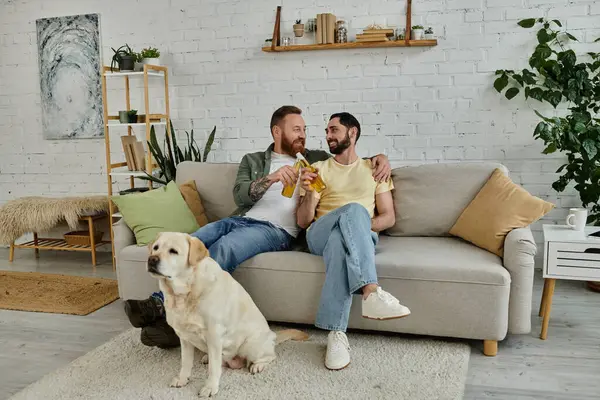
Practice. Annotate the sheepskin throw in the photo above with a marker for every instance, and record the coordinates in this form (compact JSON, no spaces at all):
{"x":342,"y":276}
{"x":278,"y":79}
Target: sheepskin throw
{"x":41,"y":214}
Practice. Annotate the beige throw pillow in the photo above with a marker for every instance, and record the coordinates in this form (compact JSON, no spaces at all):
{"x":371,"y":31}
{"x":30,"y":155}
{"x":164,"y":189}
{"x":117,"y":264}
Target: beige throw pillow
{"x":499,"y":207}
{"x":192,"y":198}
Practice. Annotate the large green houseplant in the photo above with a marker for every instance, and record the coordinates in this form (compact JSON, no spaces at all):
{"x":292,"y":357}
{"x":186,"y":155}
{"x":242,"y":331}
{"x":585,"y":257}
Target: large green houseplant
{"x":168,"y":159}
{"x":558,"y":77}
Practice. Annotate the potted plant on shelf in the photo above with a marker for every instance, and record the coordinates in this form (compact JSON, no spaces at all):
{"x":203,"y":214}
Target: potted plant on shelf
{"x":429,"y":34}
{"x":417,"y":32}
{"x":132,"y":116}
{"x":124,"y":57}
{"x":138,"y":66}
{"x":299,"y":28}
{"x":150,"y":56}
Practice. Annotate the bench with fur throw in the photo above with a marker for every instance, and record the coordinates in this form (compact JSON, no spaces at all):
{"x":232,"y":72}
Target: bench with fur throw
{"x":41,"y":214}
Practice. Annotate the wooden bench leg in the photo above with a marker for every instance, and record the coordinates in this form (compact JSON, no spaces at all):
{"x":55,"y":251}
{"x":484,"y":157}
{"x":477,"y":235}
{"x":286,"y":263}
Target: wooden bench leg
{"x":11,"y":254}
{"x":35,"y":242}
{"x":90,"y":221}
{"x":490,"y":348}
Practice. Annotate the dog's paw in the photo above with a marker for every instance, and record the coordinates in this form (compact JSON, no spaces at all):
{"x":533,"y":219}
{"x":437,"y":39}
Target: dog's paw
{"x":179,"y":382}
{"x":204,"y":359}
{"x":208,"y":390}
{"x":257,"y":367}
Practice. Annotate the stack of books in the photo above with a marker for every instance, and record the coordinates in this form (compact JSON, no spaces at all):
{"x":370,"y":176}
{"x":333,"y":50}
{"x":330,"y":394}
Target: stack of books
{"x":374,"y":35}
{"x":325,"y":28}
{"x":134,"y":153}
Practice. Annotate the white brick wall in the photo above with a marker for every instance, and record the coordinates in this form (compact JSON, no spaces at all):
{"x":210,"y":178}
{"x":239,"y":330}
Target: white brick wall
{"x":416,"y":105}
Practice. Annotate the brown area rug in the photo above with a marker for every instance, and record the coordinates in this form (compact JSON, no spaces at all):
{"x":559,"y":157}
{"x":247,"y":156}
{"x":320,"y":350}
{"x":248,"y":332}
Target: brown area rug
{"x":59,"y":294}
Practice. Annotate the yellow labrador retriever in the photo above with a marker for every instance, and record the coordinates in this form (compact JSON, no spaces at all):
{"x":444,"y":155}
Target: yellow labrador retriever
{"x":211,"y":311}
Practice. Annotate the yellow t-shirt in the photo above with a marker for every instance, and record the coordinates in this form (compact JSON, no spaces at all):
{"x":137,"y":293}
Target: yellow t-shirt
{"x":353,"y":183}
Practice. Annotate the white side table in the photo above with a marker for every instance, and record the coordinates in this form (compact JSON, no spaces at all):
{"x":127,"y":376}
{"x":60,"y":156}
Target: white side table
{"x":568,"y":254}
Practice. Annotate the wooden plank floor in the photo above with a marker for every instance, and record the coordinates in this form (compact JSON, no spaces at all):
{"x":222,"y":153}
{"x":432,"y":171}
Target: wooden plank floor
{"x":566,"y":366}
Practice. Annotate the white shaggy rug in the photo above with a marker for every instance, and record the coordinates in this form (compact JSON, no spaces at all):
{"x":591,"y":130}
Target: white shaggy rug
{"x":382,"y":367}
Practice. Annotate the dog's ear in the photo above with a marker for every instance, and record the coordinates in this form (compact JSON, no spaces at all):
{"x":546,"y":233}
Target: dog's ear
{"x":197,"y":252}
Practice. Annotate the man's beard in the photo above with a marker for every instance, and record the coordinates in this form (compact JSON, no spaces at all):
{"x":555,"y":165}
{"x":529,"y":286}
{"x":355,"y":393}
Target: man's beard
{"x":339,"y":146}
{"x":291,"y":148}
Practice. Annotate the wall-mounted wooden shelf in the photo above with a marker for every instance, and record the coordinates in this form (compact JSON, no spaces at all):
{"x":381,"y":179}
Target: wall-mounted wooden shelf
{"x":276,"y":47}
{"x":352,"y":45}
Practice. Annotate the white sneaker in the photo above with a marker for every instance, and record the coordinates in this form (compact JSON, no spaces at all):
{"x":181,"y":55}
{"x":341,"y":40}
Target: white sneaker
{"x":382,"y":305}
{"x":338,"y":351}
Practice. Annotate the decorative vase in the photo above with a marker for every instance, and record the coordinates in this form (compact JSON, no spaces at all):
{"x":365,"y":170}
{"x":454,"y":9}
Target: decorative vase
{"x":299,"y":30}
{"x":417,"y":34}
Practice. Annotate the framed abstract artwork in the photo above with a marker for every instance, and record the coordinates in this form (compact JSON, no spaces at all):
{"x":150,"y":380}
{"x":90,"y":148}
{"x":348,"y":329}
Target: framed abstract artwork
{"x":69,"y":61}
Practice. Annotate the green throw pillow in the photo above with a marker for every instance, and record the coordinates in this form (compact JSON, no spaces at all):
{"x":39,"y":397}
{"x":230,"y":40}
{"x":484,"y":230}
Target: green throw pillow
{"x":155,"y":211}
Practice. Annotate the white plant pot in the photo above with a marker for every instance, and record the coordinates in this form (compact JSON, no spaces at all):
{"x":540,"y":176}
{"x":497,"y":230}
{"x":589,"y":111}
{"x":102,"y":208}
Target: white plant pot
{"x":417,"y":34}
{"x":429,"y":36}
{"x":151,"y":61}
{"x":138,"y":66}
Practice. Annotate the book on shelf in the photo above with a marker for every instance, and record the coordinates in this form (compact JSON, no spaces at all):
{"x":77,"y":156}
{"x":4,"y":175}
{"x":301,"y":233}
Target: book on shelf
{"x":330,"y":28}
{"x":126,"y":142}
{"x":325,"y":28}
{"x":387,"y":32}
{"x":134,"y":153}
{"x":139,"y":154}
{"x":371,"y":38}
{"x":319,"y":34}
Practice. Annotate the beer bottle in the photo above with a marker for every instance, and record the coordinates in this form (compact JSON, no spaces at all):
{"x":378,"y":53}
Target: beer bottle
{"x":288,"y":191}
{"x":317,"y":184}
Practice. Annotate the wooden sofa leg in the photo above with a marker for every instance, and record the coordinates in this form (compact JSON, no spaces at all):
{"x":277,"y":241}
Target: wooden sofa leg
{"x":490,"y":348}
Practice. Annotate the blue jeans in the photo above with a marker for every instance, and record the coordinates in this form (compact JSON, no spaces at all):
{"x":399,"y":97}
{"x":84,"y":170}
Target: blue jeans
{"x":233,"y":240}
{"x":345,"y":240}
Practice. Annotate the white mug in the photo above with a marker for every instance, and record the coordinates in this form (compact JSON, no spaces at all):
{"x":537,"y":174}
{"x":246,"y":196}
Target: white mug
{"x":579,"y":215}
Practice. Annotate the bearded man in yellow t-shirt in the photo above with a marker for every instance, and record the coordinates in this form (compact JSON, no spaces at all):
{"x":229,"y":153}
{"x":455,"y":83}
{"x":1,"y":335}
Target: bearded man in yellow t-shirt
{"x":342,"y":224}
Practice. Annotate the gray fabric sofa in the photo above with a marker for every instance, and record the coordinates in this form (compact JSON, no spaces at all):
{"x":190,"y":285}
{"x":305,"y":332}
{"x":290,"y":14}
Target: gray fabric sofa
{"x":453,"y":288}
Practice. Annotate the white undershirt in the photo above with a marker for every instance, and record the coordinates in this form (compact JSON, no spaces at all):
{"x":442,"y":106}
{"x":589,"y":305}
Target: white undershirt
{"x":273,"y":206}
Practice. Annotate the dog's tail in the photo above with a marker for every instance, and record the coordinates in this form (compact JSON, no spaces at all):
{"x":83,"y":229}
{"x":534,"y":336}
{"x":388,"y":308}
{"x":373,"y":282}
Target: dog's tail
{"x":293,"y":334}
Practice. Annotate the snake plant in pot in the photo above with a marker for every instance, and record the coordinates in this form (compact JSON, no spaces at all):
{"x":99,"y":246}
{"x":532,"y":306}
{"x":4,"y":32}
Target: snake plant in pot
{"x":168,"y":157}
{"x":557,"y":77}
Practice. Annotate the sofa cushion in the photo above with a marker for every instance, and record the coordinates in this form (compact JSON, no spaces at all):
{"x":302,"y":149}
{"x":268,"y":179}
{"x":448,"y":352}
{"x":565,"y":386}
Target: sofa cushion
{"x":158,"y":210}
{"x":215,"y":184}
{"x":422,"y":258}
{"x":438,"y":259}
{"x":428,"y":199}
{"x":498,"y":208}
{"x":192,"y":198}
